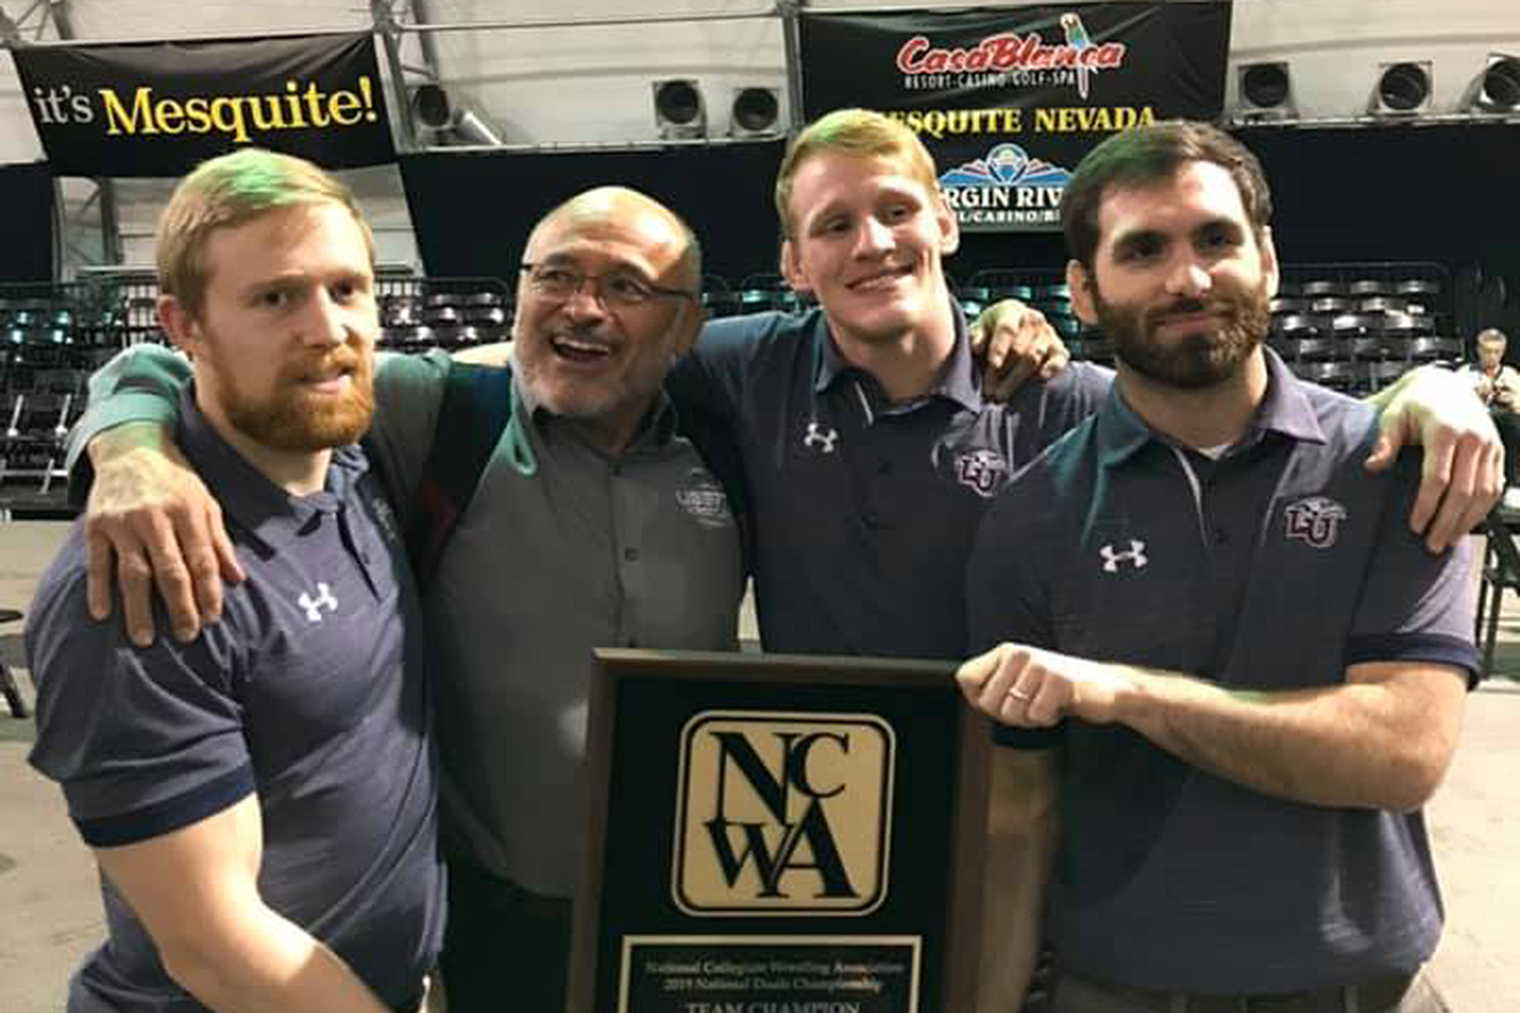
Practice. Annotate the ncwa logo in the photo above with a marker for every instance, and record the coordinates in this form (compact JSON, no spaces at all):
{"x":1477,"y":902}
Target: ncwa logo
{"x":783,"y":814}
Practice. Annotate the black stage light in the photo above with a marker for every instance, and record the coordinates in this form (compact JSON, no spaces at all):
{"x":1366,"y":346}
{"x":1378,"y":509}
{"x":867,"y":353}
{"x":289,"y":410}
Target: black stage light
{"x":1266,"y":91}
{"x":1499,"y":87}
{"x":754,"y":112}
{"x":678,"y":109}
{"x":430,"y":106}
{"x":1402,"y":89}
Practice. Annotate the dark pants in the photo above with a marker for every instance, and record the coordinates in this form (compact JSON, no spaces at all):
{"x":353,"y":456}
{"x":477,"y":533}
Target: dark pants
{"x":1077,"y":995}
{"x":1508,"y":424}
{"x":505,"y":949}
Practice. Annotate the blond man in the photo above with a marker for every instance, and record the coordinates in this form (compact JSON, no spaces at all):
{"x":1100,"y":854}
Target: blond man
{"x":251,"y":858}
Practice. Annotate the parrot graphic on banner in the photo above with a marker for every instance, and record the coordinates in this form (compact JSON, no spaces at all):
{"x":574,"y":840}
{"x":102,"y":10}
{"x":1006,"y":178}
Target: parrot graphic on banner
{"x":1078,"y":39}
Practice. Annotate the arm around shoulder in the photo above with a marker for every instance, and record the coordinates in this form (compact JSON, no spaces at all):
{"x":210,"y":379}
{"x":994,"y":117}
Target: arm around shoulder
{"x":138,"y":384}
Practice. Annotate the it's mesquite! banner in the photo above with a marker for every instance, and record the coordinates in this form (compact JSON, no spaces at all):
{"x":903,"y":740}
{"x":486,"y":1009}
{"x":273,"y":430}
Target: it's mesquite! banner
{"x":160,"y":108}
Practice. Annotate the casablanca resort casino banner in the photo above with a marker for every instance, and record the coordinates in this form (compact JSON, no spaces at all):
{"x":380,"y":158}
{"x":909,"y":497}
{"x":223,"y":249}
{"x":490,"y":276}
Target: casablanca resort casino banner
{"x":1008,"y":101}
{"x":160,"y":108}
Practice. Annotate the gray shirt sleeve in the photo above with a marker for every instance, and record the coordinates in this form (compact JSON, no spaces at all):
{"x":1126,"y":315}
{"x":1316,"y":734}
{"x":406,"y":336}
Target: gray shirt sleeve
{"x":139,"y":384}
{"x":408,"y":394}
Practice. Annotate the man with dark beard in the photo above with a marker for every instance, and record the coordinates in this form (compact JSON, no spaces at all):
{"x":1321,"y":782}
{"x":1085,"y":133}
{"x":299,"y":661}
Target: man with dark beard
{"x":1208,"y":624}
{"x":261,"y":801}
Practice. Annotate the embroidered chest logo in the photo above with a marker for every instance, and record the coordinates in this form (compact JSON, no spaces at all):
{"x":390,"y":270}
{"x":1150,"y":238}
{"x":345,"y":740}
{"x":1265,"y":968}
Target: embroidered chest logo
{"x":981,"y":471}
{"x":1134,"y":556}
{"x":313,"y":606}
{"x":385,"y":519}
{"x":1315,"y":520}
{"x":703,"y":500}
{"x":820,"y":440}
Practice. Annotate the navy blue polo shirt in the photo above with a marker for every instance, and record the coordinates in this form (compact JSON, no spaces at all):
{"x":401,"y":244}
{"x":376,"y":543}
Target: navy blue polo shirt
{"x":1273,"y":568}
{"x":863,"y":510}
{"x":309,"y":692}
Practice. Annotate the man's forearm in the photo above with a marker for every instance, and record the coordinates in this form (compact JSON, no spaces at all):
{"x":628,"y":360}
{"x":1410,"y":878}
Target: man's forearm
{"x":109,"y":444}
{"x":1370,"y":745}
{"x":1021,"y":836}
{"x":141,"y":383}
{"x":266,"y":964}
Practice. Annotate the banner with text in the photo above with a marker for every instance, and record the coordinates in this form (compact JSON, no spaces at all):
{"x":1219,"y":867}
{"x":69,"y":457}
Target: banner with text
{"x":1008,"y":101}
{"x":159,"y":108}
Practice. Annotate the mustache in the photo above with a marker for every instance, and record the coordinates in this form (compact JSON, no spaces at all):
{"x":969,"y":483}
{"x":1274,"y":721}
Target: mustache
{"x":341,"y":359}
{"x":1188,"y":307}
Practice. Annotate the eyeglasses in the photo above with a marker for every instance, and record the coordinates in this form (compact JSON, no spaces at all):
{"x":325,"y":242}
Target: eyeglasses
{"x":621,"y":288}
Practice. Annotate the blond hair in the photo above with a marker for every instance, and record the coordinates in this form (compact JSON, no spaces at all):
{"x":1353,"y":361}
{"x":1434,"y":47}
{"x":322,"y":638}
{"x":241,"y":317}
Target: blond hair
{"x":228,"y":191}
{"x":858,"y":132}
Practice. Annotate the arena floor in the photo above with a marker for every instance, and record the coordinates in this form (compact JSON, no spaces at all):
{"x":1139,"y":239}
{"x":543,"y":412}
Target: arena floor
{"x":50,"y":912}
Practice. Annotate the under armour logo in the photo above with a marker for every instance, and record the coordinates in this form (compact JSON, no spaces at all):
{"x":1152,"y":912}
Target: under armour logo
{"x":313,"y":606}
{"x":816,"y":437}
{"x":1134,"y":555}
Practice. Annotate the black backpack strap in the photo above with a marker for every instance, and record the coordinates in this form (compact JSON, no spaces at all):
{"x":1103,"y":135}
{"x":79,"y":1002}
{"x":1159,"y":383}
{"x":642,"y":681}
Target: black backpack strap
{"x":476,"y":409}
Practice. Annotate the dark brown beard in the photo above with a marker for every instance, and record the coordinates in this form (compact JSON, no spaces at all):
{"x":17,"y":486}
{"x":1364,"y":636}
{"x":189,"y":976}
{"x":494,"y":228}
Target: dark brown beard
{"x":293,"y":420}
{"x":1198,"y":360}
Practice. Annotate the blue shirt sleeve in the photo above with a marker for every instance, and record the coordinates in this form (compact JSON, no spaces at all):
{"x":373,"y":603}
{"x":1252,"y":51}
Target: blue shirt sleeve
{"x":142,"y":741}
{"x":1049,"y":410}
{"x":1415,"y":606}
{"x":707,"y":388}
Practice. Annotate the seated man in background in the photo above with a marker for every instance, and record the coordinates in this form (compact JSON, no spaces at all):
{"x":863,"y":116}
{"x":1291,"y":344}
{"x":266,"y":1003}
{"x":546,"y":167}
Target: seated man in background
{"x":1209,"y":624}
{"x":261,"y":801}
{"x":1497,"y":384}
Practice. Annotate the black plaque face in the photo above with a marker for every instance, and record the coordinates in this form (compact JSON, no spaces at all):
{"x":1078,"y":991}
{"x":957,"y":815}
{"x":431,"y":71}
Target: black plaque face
{"x":772,"y":833}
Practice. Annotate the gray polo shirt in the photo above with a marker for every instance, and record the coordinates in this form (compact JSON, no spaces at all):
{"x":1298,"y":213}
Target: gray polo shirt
{"x":562,"y":549}
{"x":1273,"y":568}
{"x":310,"y":692}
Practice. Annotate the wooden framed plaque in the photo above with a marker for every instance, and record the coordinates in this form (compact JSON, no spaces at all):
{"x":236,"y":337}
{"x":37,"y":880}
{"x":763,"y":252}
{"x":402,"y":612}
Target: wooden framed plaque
{"x":779,"y":834}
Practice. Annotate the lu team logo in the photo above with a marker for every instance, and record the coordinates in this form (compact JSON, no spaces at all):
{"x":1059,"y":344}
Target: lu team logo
{"x":981,"y":471}
{"x":764,"y":800}
{"x":1314,"y":520}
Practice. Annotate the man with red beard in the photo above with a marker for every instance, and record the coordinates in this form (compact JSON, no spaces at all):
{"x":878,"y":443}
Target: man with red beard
{"x":1210,"y":625}
{"x":261,"y":801}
